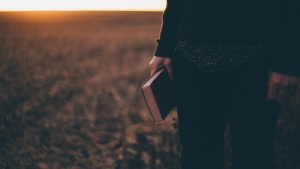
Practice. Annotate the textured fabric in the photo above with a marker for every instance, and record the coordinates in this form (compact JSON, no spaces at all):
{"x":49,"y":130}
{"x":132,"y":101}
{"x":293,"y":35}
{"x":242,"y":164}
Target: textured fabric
{"x":207,"y":100}
{"x":274,"y":24}
{"x":210,"y":57}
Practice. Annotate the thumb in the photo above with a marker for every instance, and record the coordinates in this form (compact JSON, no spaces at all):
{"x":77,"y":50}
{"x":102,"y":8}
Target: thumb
{"x":169,"y":67}
{"x":170,"y":72}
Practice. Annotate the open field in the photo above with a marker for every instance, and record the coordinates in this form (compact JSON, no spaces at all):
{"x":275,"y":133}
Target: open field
{"x":70,"y":95}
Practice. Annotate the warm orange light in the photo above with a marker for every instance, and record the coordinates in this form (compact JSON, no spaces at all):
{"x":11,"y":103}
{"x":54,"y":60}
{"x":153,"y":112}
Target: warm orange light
{"x":17,"y":5}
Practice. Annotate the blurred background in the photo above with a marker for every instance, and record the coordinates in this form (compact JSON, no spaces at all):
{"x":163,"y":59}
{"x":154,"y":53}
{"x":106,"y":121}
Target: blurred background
{"x":70,"y":77}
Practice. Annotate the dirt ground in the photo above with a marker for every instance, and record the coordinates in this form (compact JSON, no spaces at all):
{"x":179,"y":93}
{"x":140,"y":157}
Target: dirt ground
{"x":70,"y":95}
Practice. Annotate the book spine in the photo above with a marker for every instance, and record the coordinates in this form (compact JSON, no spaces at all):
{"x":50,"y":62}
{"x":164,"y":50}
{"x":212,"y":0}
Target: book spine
{"x":152,"y":109}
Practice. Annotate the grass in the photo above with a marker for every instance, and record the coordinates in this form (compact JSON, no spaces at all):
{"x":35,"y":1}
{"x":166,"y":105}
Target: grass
{"x":70,"y":97}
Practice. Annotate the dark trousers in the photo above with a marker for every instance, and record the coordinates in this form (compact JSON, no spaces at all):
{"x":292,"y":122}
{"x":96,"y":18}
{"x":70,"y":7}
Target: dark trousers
{"x":206,"y":101}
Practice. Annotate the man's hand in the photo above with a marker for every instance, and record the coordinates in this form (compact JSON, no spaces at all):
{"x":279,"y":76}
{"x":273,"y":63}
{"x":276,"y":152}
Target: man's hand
{"x":157,"y":62}
{"x":282,"y":86}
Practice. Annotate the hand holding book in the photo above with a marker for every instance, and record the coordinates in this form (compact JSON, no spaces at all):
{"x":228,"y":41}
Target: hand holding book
{"x":158,"y":62}
{"x":158,"y":92}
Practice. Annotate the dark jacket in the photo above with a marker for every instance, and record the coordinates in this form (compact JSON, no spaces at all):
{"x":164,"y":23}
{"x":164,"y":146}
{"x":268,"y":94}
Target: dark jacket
{"x":274,"y":24}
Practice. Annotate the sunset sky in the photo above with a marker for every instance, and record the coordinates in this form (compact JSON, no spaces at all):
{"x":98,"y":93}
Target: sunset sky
{"x":17,"y":5}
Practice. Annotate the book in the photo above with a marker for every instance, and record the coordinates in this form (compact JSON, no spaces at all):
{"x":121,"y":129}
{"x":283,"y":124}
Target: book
{"x":159,"y":95}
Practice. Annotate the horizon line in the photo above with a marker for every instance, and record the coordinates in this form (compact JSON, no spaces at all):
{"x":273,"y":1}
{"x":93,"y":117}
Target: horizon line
{"x":74,"y":10}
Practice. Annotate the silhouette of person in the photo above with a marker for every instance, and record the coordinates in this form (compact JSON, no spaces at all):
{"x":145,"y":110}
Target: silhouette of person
{"x":231,"y":61}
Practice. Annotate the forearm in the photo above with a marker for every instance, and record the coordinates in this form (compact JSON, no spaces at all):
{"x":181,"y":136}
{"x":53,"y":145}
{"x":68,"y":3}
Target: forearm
{"x":171,"y":19}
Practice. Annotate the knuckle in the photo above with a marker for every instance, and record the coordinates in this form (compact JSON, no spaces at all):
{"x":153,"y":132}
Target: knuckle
{"x":151,"y":64}
{"x":167,"y":62}
{"x":275,"y":82}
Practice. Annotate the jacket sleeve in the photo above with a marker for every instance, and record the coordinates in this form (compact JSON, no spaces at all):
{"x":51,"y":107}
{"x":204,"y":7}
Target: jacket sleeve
{"x":171,"y":18}
{"x":287,"y":48}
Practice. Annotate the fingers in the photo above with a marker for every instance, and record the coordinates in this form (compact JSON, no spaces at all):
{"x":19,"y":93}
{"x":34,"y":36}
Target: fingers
{"x":153,"y":70}
{"x":170,"y":71}
{"x":273,"y":90}
{"x":168,"y":64}
{"x":283,"y":93}
{"x":286,"y":91}
{"x":157,"y":62}
{"x":281,"y":87}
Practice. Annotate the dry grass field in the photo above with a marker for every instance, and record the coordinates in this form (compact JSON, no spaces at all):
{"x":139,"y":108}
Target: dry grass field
{"x":70,"y":95}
